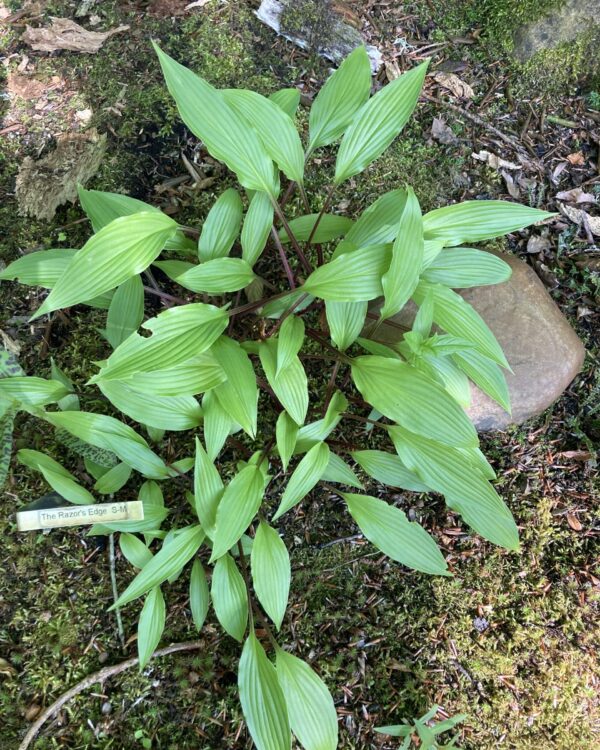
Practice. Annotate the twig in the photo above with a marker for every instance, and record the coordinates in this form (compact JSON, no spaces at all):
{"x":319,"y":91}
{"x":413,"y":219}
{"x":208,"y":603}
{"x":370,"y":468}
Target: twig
{"x":100,"y":676}
{"x":297,"y":249}
{"x":285,"y":262}
{"x":164,"y":295}
{"x":113,"y":580}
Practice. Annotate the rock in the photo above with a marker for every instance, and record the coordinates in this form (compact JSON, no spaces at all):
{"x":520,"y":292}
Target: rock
{"x":540,"y":345}
{"x":320,"y":25}
{"x":564,"y":24}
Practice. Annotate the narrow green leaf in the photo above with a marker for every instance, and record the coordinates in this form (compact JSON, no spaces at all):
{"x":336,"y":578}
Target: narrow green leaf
{"x":227,"y":137}
{"x":390,"y":531}
{"x":121,"y":249}
{"x":239,"y":394}
{"x":43,"y":268}
{"x":199,"y":594}
{"x":287,"y":100}
{"x":286,"y":432}
{"x":134,"y":550}
{"x":346,"y":320}
{"x":291,"y":385}
{"x":7,"y":419}
{"x":222,"y":226}
{"x":351,"y":277}
{"x":402,"y":277}
{"x":289,"y":341}
{"x":329,"y":227}
{"x":473,"y":221}
{"x":339,"y":472}
{"x":236,"y":509}
{"x":262,"y":700}
{"x":113,"y":480}
{"x":31,"y":391}
{"x":486,"y":374}
{"x":378,"y":122}
{"x":229,"y":597}
{"x":217,"y":425}
{"x":193,"y":376}
{"x":305,"y":477}
{"x":168,"y":561}
{"x":377,"y":225}
{"x":424,"y":318}
{"x":208,"y":490}
{"x":126,"y":311}
{"x":312,"y":433}
{"x":387,"y":468}
{"x":412,"y":399}
{"x":213,"y":277}
{"x":463,"y":267}
{"x":61,"y":480}
{"x":312,"y":713}
{"x":274,"y":128}
{"x":151,"y":625}
{"x":337,"y":102}
{"x":257,"y":225}
{"x":271,"y":572}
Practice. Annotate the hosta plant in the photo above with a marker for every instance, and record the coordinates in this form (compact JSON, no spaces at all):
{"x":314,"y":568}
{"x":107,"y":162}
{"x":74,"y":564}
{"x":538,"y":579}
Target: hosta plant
{"x":259,"y":312}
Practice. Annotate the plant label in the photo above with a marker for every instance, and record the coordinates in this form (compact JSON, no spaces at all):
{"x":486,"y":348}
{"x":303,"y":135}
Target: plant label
{"x":79,"y":515}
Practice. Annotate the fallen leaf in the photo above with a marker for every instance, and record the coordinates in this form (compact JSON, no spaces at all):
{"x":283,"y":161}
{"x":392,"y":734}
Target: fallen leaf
{"x":511,"y":185}
{"x":537,"y":244}
{"x":496,"y":162}
{"x":197,"y":4}
{"x":578,"y":216}
{"x":32,"y":712}
{"x":576,"y":159}
{"x":576,"y":195}
{"x":66,"y":34}
{"x":7,"y":668}
{"x":442,"y":132}
{"x":454,"y":84}
{"x":574,"y":522}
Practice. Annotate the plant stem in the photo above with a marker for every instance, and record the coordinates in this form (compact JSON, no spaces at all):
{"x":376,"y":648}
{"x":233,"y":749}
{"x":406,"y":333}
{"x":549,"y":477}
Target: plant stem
{"x":321,"y":213}
{"x":330,"y":386}
{"x":297,"y":249}
{"x":284,"y":260}
{"x":288,"y":312}
{"x":165,"y":296}
{"x":259,"y":303}
{"x":115,"y":591}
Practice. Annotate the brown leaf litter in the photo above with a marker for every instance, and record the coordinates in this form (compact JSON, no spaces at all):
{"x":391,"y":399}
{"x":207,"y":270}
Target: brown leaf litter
{"x":68,"y":35}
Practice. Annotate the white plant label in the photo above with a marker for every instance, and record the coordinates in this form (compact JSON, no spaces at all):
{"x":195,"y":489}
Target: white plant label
{"x":79,"y":515}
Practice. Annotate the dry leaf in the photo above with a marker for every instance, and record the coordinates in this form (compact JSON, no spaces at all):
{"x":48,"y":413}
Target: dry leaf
{"x":442,"y":132}
{"x":577,"y":158}
{"x":537,"y":244}
{"x":454,"y":84}
{"x":496,"y":162}
{"x":197,"y":4}
{"x":576,"y":196}
{"x":7,"y":668}
{"x":577,"y":216}
{"x":574,"y":522}
{"x":66,"y":34}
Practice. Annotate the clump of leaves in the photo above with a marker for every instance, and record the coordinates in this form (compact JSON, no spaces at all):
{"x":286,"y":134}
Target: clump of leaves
{"x":206,"y":342}
{"x":425,"y":730}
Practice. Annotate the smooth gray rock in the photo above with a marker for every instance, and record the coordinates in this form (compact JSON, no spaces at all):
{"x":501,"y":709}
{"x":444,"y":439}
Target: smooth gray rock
{"x":540,"y":345}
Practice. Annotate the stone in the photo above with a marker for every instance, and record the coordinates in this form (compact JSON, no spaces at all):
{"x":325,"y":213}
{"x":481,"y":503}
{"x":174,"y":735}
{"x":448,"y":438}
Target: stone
{"x":564,"y":24}
{"x":542,"y":349}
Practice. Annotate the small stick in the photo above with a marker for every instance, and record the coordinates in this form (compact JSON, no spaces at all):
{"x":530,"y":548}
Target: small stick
{"x":113,"y":580}
{"x":285,"y":262}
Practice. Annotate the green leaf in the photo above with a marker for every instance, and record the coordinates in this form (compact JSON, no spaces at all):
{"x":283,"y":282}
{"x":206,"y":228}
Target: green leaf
{"x":387,"y":468}
{"x":112,"y":480}
{"x":473,"y":221}
{"x":329,"y":227}
{"x":402,"y":277}
{"x":377,"y":225}
{"x":151,"y":625}
{"x":257,"y":225}
{"x":346,"y":320}
{"x":239,"y":394}
{"x":164,"y":413}
{"x":454,"y":315}
{"x":275,"y":129}
{"x":378,"y":122}
{"x":351,"y":277}
{"x":390,"y":531}
{"x":289,"y":341}
{"x":287,"y":100}
{"x":61,"y":480}
{"x":312,"y":433}
{"x":110,"y":434}
{"x":43,"y":268}
{"x":238,"y":506}
{"x":443,"y":370}
{"x":486,"y":374}
{"x":134,"y":550}
{"x":222,"y":226}
{"x":229,"y":597}
{"x":312,"y":713}
{"x":337,"y":102}
{"x":463,"y":267}
{"x":225,"y":134}
{"x":121,"y":249}
{"x":262,"y":700}
{"x":199,"y":594}
{"x":424,"y":318}
{"x":213,"y":277}
{"x":31,"y":391}
{"x":271,"y":572}
{"x":447,"y":471}
{"x":168,"y":561}
{"x":291,"y":385}
{"x":208,"y":490}
{"x":153,"y":518}
{"x":217,"y":425}
{"x":188,"y":378}
{"x":7,"y":419}
{"x":338,"y":471}
{"x":286,"y":432}
{"x":305,"y":477}
{"x":412,"y":399}
{"x":126,"y":311}
{"x":178,"y":334}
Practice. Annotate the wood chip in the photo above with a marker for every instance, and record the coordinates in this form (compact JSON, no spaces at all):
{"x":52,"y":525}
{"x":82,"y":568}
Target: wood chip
{"x":66,"y":34}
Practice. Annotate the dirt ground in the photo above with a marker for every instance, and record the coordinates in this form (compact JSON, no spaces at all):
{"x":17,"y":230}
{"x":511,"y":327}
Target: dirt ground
{"x":511,"y":640}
